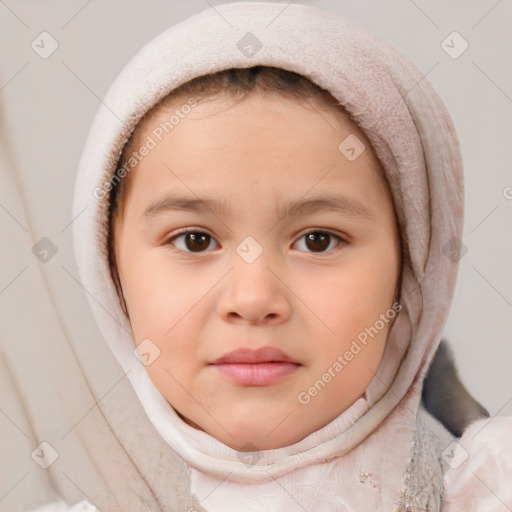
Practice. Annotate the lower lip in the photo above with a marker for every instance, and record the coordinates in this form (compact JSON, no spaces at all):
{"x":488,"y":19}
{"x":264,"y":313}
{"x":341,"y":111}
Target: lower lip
{"x":257,"y":374}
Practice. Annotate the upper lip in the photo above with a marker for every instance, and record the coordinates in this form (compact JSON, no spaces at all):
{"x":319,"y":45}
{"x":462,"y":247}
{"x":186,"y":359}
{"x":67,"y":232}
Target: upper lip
{"x":247,"y":355}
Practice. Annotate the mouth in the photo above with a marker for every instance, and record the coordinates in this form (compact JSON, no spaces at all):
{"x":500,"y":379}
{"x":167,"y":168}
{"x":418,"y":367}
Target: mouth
{"x":261,"y":367}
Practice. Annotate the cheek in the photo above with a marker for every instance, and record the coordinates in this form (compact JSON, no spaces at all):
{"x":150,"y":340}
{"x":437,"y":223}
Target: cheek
{"x":161,"y":302}
{"x":351,"y":301}
{"x":166,"y":308}
{"x":360,"y":292}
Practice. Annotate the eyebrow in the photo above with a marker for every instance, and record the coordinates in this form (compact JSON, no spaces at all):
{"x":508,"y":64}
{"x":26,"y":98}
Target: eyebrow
{"x":345,"y":205}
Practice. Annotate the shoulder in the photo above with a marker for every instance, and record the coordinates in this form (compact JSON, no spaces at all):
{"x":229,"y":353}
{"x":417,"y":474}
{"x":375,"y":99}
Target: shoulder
{"x":60,"y":506}
{"x":479,"y":468}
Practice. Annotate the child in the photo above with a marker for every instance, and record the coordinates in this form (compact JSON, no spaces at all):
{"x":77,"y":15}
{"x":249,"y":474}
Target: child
{"x":273,"y":214}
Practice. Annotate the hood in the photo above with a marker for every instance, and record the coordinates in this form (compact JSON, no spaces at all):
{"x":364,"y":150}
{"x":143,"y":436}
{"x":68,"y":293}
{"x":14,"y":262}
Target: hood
{"x":413,"y":136}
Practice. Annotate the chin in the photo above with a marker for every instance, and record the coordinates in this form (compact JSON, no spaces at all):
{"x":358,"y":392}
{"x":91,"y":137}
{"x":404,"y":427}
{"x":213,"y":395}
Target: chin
{"x":248,"y":436}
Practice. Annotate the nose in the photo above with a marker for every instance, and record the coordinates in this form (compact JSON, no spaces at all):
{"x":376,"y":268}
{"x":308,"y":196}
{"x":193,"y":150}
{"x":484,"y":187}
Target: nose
{"x":254,"y":294}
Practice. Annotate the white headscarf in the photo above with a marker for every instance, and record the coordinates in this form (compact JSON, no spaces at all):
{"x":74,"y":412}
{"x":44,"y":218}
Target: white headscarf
{"x":139,"y":456}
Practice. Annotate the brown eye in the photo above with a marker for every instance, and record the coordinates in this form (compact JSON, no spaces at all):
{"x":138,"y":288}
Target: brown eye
{"x":197,"y":242}
{"x":319,"y":241}
{"x":192,"y":241}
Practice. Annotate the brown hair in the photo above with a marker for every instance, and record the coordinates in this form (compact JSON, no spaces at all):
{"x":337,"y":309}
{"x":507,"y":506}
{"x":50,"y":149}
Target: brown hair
{"x":233,"y":82}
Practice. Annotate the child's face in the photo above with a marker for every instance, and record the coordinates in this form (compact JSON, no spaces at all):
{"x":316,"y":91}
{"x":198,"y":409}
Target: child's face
{"x":199,"y":298}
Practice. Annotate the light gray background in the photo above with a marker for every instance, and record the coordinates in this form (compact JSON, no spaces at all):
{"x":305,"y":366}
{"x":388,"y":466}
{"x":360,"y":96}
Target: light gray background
{"x":48,"y":106}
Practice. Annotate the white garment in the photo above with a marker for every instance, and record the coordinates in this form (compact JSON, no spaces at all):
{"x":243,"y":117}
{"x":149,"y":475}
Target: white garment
{"x":479,"y":480}
{"x":60,"y":506}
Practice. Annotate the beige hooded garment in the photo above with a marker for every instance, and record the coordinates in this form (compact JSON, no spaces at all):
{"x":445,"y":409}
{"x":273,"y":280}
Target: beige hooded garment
{"x":125,"y":449}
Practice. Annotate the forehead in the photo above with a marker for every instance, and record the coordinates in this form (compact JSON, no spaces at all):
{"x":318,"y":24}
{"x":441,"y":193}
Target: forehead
{"x":278,"y":142}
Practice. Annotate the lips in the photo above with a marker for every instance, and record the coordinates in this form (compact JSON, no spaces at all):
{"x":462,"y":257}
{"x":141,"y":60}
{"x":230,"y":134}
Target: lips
{"x":261,"y":355}
{"x":262,"y":367}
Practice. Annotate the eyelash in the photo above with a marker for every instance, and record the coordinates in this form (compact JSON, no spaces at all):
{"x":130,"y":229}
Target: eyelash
{"x":187,"y":231}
